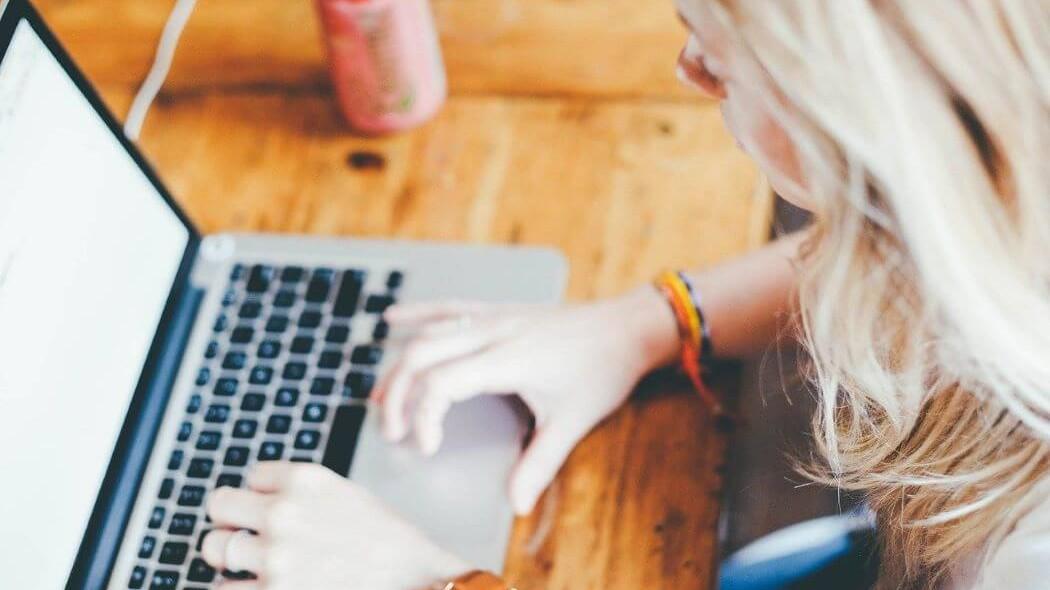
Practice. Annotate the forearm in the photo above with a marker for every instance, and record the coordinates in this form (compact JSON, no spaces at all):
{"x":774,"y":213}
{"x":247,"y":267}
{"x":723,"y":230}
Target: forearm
{"x":744,"y":301}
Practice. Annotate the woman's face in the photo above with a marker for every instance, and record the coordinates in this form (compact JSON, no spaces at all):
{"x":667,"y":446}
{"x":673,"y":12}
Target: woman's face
{"x":706,"y":63}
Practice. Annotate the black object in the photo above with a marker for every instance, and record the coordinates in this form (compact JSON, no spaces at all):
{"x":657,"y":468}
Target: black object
{"x":342,"y":439}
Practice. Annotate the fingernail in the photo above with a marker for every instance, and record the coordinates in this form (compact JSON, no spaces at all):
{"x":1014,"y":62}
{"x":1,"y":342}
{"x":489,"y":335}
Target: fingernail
{"x":522,"y":508}
{"x":433,"y":444}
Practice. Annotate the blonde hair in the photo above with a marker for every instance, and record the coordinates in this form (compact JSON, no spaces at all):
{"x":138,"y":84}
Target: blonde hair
{"x":922,"y":133}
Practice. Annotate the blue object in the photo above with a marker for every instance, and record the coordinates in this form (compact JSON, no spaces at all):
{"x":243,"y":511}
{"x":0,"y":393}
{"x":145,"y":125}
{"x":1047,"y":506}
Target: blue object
{"x":795,"y":553}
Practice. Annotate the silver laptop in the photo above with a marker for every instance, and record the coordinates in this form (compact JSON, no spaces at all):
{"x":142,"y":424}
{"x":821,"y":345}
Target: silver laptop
{"x":143,"y":365}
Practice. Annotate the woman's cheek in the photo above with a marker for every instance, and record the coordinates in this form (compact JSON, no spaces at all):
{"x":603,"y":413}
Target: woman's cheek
{"x":760,"y":136}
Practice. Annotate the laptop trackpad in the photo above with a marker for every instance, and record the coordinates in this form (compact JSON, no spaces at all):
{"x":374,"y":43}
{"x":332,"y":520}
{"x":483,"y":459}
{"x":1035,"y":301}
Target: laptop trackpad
{"x":459,"y":496}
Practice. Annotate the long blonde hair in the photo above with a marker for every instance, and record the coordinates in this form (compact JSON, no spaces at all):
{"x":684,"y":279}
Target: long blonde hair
{"x":922,"y":132}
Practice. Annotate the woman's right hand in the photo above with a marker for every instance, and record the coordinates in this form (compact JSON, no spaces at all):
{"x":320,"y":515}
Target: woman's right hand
{"x":571,"y":365}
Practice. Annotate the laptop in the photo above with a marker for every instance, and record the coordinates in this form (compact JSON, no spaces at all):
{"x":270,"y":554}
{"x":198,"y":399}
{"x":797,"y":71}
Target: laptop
{"x":143,"y":364}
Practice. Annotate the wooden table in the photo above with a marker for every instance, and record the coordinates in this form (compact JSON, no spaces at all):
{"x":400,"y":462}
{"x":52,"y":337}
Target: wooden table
{"x":565,"y":127}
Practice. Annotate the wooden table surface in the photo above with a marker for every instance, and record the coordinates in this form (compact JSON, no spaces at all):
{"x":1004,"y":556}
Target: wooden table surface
{"x":565,"y":127}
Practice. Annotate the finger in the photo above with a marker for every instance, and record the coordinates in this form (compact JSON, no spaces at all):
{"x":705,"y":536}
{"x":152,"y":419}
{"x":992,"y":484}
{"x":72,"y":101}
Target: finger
{"x":418,"y":313}
{"x":549,"y":449}
{"x":239,"y":585}
{"x":439,"y":388}
{"x":238,"y":509}
{"x":270,"y":476}
{"x":421,"y":355}
{"x":236,"y":551}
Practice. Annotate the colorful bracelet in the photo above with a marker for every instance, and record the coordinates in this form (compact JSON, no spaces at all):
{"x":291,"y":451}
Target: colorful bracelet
{"x":693,"y":331}
{"x":706,"y":348}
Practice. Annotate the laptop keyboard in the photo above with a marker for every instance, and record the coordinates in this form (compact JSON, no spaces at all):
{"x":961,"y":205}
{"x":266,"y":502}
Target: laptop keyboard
{"x":285,"y":376}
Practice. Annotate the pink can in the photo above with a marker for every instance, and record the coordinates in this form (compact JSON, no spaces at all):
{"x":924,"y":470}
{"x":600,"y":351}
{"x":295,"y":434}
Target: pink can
{"x":385,"y":62}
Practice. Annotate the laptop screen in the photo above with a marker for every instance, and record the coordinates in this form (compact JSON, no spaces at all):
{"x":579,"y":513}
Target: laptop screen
{"x":89,"y":251}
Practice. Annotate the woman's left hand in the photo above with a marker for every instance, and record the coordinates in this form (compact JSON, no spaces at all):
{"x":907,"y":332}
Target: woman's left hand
{"x":317,"y":530}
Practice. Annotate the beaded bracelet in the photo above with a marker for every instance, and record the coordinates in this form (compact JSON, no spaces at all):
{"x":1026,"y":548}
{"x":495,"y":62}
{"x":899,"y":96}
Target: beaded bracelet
{"x":693,"y":331}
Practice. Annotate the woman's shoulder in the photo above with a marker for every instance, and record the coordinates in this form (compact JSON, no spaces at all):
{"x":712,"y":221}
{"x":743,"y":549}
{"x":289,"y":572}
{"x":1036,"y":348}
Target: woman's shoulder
{"x":1021,"y":560}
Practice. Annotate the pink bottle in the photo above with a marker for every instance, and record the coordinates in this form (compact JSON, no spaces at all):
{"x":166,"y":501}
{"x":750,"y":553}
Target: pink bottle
{"x":385,"y":62}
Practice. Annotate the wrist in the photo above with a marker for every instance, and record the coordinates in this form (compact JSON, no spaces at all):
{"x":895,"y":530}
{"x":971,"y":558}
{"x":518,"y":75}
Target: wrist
{"x":651,"y":323}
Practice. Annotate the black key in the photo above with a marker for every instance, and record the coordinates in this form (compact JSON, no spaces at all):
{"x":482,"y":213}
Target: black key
{"x":138,"y":578}
{"x":229,"y":297}
{"x":185,"y":431}
{"x":200,"y":571}
{"x":301,"y":459}
{"x":250,"y":310}
{"x":203,"y":376}
{"x":200,"y":541}
{"x":146,"y":548}
{"x":360,"y":384}
{"x":182,"y":524}
{"x":212,"y":351}
{"x":229,"y":480}
{"x":194,"y":404}
{"x":307,"y":440}
{"x":226,"y":386}
{"x":317,"y":290}
{"x":271,"y":451}
{"x":269,"y":349}
{"x":221,"y":323}
{"x":261,"y":376}
{"x":378,"y":303}
{"x":322,"y":386}
{"x":237,"y":272}
{"x":286,"y":397}
{"x":323,"y":272}
{"x":366,"y":355}
{"x":381,"y":331}
{"x":279,"y":424}
{"x":236,"y":456}
{"x":166,"y":488}
{"x":164,"y":580}
{"x":330,"y":359}
{"x":349,"y":296}
{"x":217,"y":414}
{"x":242,"y":335}
{"x":302,"y":345}
{"x":294,"y":371}
{"x":338,"y":334}
{"x":259,"y":278}
{"x":253,"y":402}
{"x":277,"y":324}
{"x":175,"y":462}
{"x":156,"y":518}
{"x":284,"y":299}
{"x":191,"y":496}
{"x":245,"y":428}
{"x":209,"y":440}
{"x":314,"y":413}
{"x":173,"y":553}
{"x":292,"y":274}
{"x":394,"y":280}
{"x":310,"y":319}
{"x":339,"y":453}
{"x":234,"y":361}
{"x":200,"y":468}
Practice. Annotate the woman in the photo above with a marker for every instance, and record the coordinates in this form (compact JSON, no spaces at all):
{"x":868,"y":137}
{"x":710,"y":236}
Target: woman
{"x":917,"y":133}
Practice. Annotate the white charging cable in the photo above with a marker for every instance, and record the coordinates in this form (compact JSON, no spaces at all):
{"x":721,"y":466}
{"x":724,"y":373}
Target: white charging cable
{"x":169,"y":41}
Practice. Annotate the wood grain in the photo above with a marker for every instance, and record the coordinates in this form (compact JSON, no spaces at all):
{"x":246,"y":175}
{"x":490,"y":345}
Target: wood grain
{"x":565,"y":128}
{"x":598,"y":48}
{"x":608,"y":183}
